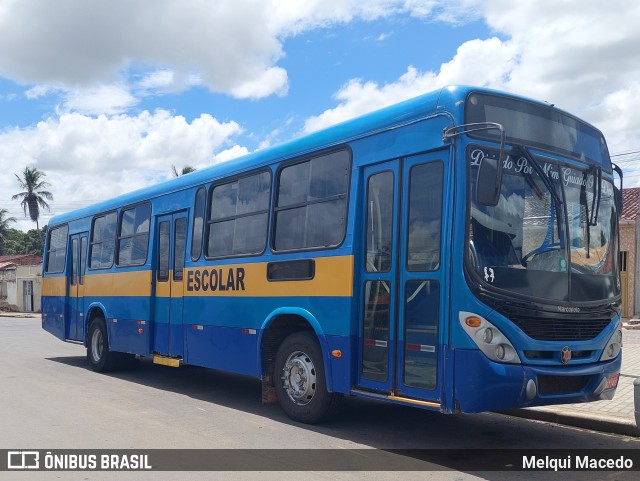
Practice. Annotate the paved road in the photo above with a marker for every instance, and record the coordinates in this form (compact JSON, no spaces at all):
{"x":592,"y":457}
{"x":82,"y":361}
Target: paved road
{"x":51,"y":400}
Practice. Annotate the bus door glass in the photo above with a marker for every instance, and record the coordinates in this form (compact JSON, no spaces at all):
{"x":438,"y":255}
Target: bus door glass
{"x":171,"y":240}
{"x":78,"y":247}
{"x":402,"y":277}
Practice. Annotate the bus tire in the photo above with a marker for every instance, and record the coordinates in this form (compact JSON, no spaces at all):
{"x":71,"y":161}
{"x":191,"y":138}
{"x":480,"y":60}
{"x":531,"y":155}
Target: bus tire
{"x":100,"y":358}
{"x":300,"y":380}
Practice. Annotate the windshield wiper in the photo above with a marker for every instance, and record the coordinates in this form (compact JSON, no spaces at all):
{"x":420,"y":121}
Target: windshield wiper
{"x":534,"y":163}
{"x":591,"y":212}
{"x":597,"y":193}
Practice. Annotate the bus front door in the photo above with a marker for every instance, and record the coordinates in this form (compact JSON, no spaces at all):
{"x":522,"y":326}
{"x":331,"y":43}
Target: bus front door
{"x":402,"y":275}
{"x":168,"y":335}
{"x":75,"y":302}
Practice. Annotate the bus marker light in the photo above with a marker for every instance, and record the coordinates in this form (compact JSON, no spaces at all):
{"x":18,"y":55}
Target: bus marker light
{"x":140,"y":330}
{"x":473,"y":321}
{"x":612,"y":381}
{"x":531,"y":389}
{"x":249,"y":331}
{"x":336,"y":353}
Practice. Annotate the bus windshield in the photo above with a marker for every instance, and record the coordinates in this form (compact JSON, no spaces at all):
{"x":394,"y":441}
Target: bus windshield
{"x":550,"y":238}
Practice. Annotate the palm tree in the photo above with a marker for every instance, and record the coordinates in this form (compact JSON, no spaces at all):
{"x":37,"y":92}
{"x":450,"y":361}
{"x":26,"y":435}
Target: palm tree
{"x":4,"y":227}
{"x":187,"y":169}
{"x":33,"y":195}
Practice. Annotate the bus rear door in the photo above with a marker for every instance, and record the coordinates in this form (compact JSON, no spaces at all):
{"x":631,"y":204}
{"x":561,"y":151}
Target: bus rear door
{"x":75,"y":300}
{"x":168,"y":337}
{"x":402,"y":279}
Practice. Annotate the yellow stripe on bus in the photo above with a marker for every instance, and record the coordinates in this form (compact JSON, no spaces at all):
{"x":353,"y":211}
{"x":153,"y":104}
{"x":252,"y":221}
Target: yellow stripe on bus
{"x":333,"y":277}
{"x":54,"y":286}
{"x":126,"y":284}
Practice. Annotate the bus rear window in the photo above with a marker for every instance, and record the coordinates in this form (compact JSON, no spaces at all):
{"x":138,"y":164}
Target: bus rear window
{"x":537,"y":125}
{"x":57,"y":249}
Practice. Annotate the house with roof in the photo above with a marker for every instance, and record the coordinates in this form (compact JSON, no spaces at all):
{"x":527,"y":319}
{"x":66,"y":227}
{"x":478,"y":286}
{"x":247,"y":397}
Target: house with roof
{"x":629,"y":237}
{"x":20,"y":281}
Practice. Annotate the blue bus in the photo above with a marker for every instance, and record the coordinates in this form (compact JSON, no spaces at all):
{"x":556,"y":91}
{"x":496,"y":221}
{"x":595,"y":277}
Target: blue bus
{"x":456,"y":252}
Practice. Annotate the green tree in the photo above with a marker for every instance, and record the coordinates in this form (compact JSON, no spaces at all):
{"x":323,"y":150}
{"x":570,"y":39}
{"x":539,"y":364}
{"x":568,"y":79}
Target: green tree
{"x":187,"y":169}
{"x":34,"y":194}
{"x":5,"y":220}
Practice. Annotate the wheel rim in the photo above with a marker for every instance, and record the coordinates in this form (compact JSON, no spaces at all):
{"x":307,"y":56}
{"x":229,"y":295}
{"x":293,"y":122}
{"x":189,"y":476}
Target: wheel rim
{"x":97,"y":345}
{"x":299,"y":376}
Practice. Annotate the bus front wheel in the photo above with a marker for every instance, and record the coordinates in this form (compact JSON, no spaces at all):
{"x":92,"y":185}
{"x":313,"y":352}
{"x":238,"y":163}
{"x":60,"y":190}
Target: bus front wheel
{"x":300,"y":380}
{"x":100,"y":357}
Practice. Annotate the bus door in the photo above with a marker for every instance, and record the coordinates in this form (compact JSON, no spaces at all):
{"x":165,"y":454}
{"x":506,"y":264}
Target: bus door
{"x":171,"y":240}
{"x":402,"y":278}
{"x":75,"y":301}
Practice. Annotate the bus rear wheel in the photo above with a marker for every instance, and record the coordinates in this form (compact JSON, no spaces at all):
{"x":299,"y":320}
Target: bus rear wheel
{"x":300,"y":380}
{"x":100,"y":358}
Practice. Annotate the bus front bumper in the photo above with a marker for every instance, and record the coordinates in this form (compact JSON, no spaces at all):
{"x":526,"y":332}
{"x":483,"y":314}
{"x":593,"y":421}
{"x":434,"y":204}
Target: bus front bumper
{"x":484,"y":385}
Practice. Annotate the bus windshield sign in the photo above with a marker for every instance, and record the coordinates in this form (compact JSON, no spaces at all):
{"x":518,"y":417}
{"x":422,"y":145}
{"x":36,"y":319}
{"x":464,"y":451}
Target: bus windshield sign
{"x":538,"y":126}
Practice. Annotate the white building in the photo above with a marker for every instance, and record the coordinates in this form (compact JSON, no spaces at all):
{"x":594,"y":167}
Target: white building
{"x":20,"y":281}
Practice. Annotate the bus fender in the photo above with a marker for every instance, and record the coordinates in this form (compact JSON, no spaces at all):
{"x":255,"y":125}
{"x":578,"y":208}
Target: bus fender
{"x":322,"y":340}
{"x":96,"y":306}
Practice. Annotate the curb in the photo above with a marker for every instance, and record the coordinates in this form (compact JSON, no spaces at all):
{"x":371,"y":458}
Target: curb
{"x":21,"y":315}
{"x":599,"y":422}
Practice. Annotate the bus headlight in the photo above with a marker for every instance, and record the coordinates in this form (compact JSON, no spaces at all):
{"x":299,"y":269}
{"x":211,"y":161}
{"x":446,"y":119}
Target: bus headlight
{"x":488,"y":338}
{"x":613,"y":347}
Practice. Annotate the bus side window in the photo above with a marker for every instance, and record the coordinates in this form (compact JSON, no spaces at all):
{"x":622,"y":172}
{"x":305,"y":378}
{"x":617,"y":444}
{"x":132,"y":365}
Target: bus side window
{"x":103,"y":241}
{"x":57,"y":249}
{"x":238,"y":216}
{"x":133,"y":242}
{"x":198,"y":224}
{"x":311,"y":208}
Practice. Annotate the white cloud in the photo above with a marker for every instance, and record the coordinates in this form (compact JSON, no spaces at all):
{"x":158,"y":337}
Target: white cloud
{"x":38,"y":91}
{"x":92,"y":158}
{"x":231,"y":46}
{"x":158,"y":79}
{"x":105,"y":99}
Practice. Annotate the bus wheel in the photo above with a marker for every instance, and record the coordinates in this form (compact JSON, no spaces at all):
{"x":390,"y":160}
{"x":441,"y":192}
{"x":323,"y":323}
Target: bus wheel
{"x":100,"y":357}
{"x":300,"y":380}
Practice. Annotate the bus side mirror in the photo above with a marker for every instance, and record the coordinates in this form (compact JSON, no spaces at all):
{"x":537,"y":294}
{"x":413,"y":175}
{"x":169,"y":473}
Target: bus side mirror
{"x":489,"y":181}
{"x":617,"y":192}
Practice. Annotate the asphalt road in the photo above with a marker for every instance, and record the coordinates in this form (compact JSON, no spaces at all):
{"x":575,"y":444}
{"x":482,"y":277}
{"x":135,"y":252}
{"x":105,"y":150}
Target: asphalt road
{"x":50,"y":399}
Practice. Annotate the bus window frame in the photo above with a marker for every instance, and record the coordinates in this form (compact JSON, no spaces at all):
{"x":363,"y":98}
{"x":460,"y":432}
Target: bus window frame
{"x":91,"y":243}
{"x":193,"y":223}
{"x":116,"y":255}
{"x":48,"y":250}
{"x":209,"y":204}
{"x":347,"y":196}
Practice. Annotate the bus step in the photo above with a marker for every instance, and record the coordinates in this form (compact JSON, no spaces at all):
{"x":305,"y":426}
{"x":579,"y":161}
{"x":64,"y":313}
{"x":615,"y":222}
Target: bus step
{"x":166,"y":360}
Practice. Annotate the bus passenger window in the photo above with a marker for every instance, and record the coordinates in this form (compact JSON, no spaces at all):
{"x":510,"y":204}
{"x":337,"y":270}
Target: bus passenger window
{"x":311,"y":206}
{"x":103,"y":239}
{"x":198,"y":223}
{"x":134,"y":235}
{"x":57,"y":250}
{"x":238,"y":216}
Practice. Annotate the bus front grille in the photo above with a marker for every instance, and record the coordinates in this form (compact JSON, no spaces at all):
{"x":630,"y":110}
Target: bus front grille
{"x":544,"y":329}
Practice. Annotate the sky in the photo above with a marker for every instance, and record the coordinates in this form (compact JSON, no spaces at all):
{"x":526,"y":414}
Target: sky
{"x":105,"y":96}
